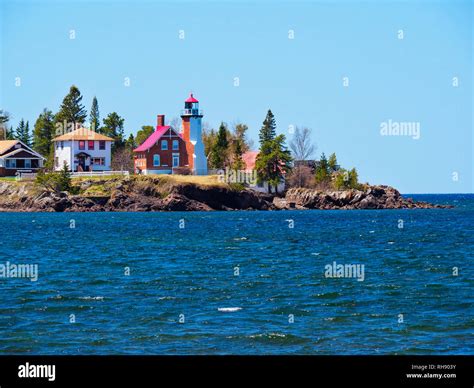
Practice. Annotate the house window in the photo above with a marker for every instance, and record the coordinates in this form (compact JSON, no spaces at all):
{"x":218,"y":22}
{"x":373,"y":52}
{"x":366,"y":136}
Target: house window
{"x":11,"y":163}
{"x":27,"y":163}
{"x":102,"y":145}
{"x":156,"y":160}
{"x":56,"y":161}
{"x":164,"y":145}
{"x":62,"y":145}
{"x":91,"y":144}
{"x":175,"y":145}
{"x":175,"y":160}
{"x":98,"y":161}
{"x":82,"y":145}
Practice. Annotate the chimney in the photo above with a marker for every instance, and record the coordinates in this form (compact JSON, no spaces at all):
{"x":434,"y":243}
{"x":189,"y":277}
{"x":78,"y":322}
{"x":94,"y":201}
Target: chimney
{"x":160,"y":122}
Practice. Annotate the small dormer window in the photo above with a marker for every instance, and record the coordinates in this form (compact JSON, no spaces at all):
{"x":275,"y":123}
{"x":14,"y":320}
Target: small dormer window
{"x":164,"y":145}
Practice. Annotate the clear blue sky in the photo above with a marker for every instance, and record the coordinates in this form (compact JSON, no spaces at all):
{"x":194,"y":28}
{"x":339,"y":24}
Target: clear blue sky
{"x":300,"y":79}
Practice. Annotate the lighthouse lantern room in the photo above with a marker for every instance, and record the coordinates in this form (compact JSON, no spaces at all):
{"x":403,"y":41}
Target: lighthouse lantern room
{"x":192,"y":135}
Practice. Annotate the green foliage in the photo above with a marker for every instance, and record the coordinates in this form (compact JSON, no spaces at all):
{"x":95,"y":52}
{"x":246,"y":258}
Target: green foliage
{"x":239,"y":146}
{"x":55,"y":181}
{"x":43,"y":133}
{"x":4,"y":117}
{"x":144,"y":134}
{"x":220,"y":148}
{"x":237,"y":161}
{"x":209,"y":137}
{"x":322,"y":174}
{"x":268,"y":130}
{"x":273,"y":161}
{"x":130,"y":143}
{"x":332,"y":162}
{"x":22,"y":132}
{"x":94,"y":117}
{"x":113,"y":127}
{"x":72,"y":110}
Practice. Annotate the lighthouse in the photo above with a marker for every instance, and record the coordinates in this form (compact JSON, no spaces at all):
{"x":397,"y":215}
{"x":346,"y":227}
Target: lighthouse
{"x":192,"y":135}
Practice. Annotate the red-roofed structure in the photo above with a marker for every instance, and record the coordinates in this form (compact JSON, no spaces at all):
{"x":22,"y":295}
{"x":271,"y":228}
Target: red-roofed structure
{"x":191,"y":99}
{"x":166,"y":150}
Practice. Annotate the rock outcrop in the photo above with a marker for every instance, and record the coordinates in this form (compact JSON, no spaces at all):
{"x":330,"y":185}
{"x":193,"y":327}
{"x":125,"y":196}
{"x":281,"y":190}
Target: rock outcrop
{"x":375,"y":197}
{"x":142,"y":194}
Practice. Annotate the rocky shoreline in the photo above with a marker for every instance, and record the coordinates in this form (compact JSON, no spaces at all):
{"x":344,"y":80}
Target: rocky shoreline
{"x":143,"y":194}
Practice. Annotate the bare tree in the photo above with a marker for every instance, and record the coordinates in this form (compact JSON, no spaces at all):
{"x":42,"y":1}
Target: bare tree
{"x":4,"y":117}
{"x":122,"y":160}
{"x":302,"y":148}
{"x":301,"y":145}
{"x":176,"y":124}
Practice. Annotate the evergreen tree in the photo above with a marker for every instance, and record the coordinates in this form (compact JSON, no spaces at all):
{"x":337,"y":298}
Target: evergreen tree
{"x":322,"y":174}
{"x":10,"y":134}
{"x":113,"y":127}
{"x":332,"y":162}
{"x":220,"y":148}
{"x":22,"y":132}
{"x":94,"y":117}
{"x":268,"y":130}
{"x":353,"y":179}
{"x":64,"y":178}
{"x":43,"y":133}
{"x":237,"y":161}
{"x":130,"y":143}
{"x":72,"y":111}
{"x":144,"y":134}
{"x":273,"y":161}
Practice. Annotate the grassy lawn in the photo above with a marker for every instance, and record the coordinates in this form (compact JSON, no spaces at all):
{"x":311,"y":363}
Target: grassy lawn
{"x":205,"y":180}
{"x":8,"y":178}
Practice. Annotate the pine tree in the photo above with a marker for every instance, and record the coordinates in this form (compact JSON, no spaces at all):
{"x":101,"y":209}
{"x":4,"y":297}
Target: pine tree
{"x":94,"y":116}
{"x":113,"y":127}
{"x":273,"y":162}
{"x":22,"y":132}
{"x":64,"y":178}
{"x":332,"y":162}
{"x":43,"y":133}
{"x":237,"y":161}
{"x":72,"y":111}
{"x":11,"y":134}
{"x":144,"y":134}
{"x":220,"y":148}
{"x":322,"y":174}
{"x":130,"y":143}
{"x":268,"y":130}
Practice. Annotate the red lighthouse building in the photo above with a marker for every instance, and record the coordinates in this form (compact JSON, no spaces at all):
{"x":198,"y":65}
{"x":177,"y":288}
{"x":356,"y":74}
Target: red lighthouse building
{"x":166,"y":150}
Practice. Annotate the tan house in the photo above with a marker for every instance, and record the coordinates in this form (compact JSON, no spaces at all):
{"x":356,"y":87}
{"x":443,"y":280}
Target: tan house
{"x":16,"y":157}
{"x":83,"y":150}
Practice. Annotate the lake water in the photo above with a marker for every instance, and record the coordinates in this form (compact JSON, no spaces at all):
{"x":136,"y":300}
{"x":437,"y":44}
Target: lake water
{"x":241,"y":282}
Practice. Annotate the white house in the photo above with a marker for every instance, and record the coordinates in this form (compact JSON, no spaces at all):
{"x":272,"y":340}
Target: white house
{"x":83,"y":150}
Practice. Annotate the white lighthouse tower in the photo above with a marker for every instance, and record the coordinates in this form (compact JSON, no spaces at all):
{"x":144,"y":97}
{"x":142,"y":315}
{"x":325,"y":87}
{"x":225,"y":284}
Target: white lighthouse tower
{"x":192,"y":135}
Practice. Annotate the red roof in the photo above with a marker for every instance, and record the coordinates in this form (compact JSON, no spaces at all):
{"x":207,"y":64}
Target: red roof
{"x":191,"y":99}
{"x":152,"y":139}
{"x":249,"y":159}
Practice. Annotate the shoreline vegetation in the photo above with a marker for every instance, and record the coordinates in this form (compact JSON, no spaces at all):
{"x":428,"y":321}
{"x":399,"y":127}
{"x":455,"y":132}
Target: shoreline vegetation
{"x":188,"y":193}
{"x":291,"y":175}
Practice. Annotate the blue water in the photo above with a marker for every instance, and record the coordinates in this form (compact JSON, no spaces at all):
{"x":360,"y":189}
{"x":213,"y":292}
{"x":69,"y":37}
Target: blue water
{"x":190,"y":273}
